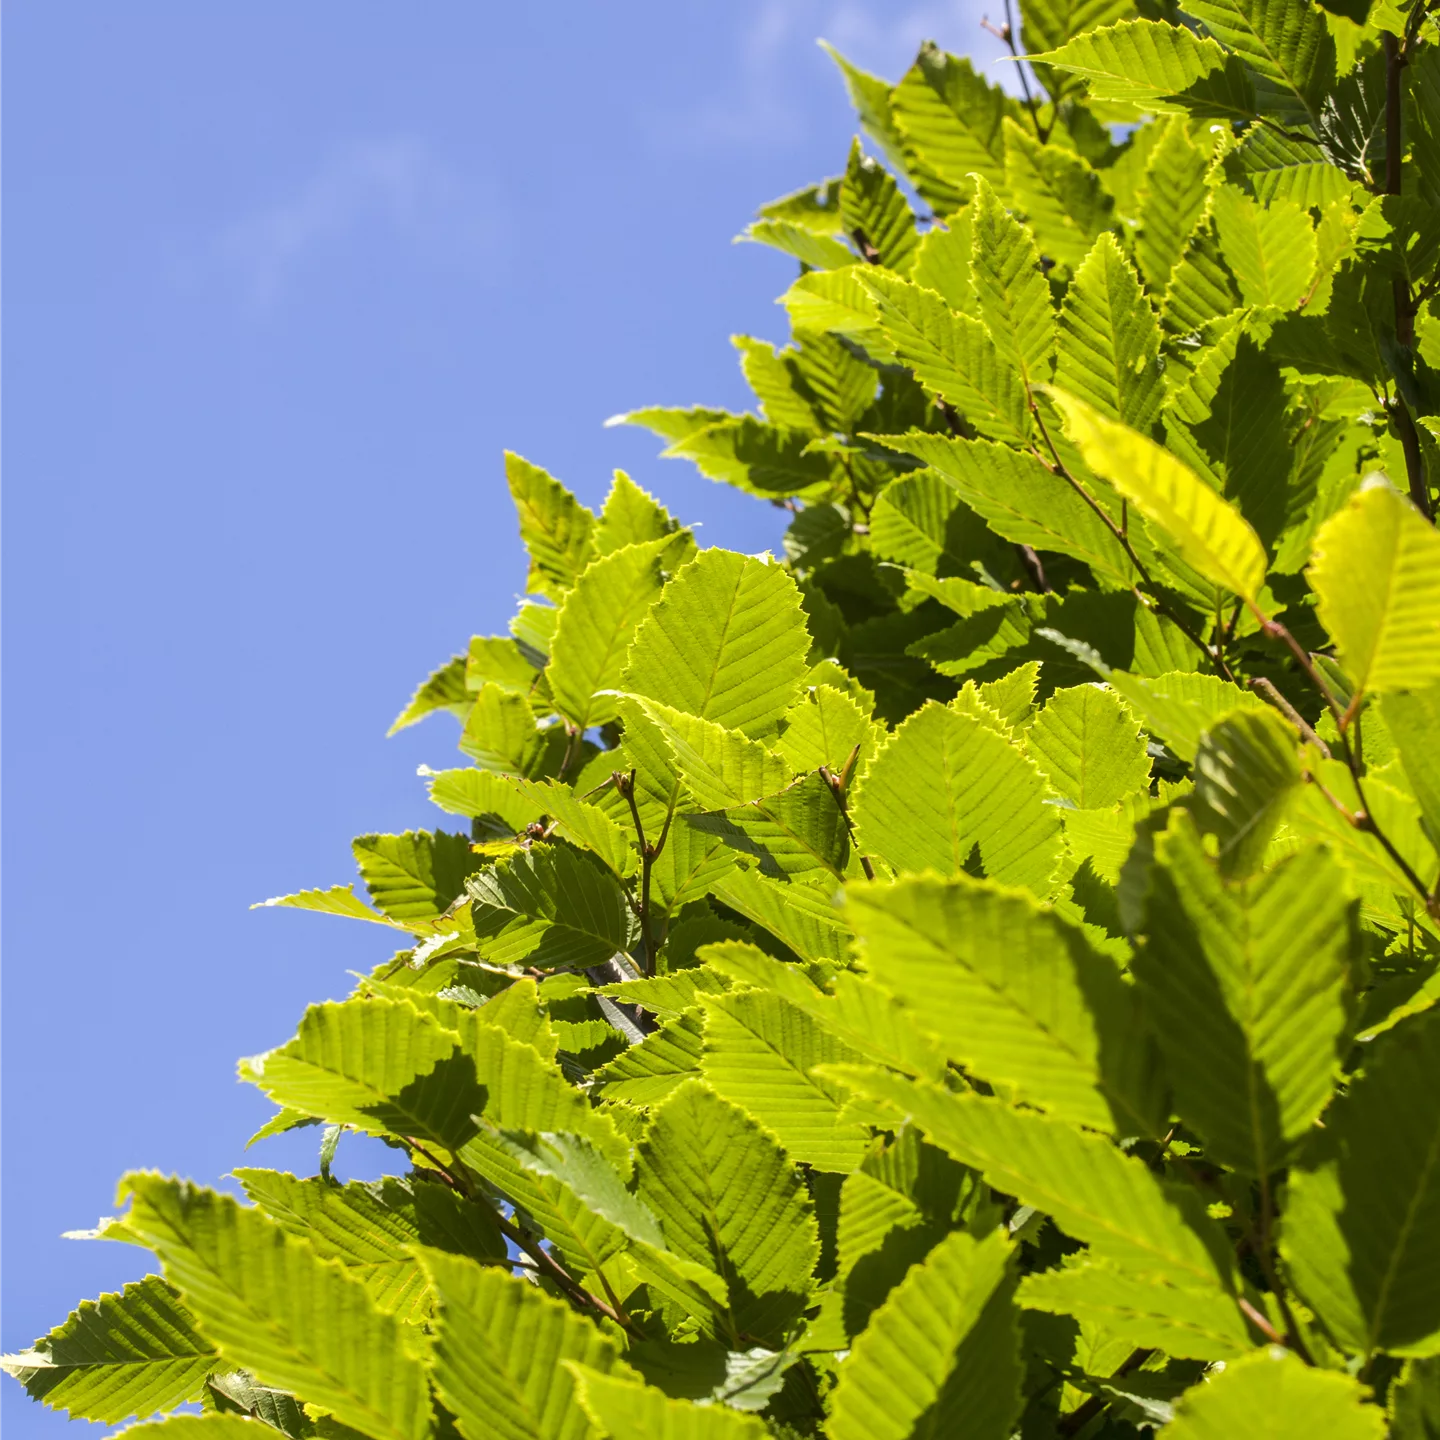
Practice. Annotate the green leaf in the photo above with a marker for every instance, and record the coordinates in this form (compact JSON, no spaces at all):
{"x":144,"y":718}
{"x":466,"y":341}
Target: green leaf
{"x":782,"y":396}
{"x":1281,"y":167}
{"x":801,"y":916}
{"x":1376,"y":577}
{"x":1060,"y":193}
{"x":1285,"y":42}
{"x":1270,"y":249}
{"x":1011,"y":289}
{"x":443,"y":690}
{"x":948,"y":793}
{"x":371,"y":1229}
{"x":835,"y":300}
{"x":1202,"y":290}
{"x":556,"y":528}
{"x":1272,"y":1395}
{"x":760,"y":1053}
{"x":1087,"y":745}
{"x":274,"y":1308}
{"x":1137,"y":61}
{"x":631,"y":516}
{"x":668,"y":996}
{"x":499,"y":660}
{"x":500,"y":733}
{"x":725,"y":642}
{"x":123,"y":1355}
{"x":624,"y":1411}
{"x":942,"y":263}
{"x":941,"y":1355}
{"x":800,"y":833}
{"x":1012,"y":993}
{"x":1021,"y":499}
{"x":1247,"y":768}
{"x":1209,"y":533}
{"x":729,"y":1199}
{"x":1049,"y":24}
{"x":551,"y":907}
{"x":337,"y":900}
{"x":1110,"y":340}
{"x":1360,"y":1227}
{"x":760,"y":459}
{"x":382,"y":1066}
{"x":919,"y":522}
{"x":902,"y":1183}
{"x":1094,"y":1191}
{"x":814,"y":250}
{"x":870,"y":96}
{"x":480,"y":795}
{"x":1243,"y":436}
{"x":499,"y":1354}
{"x":646,"y":1073}
{"x":1180,"y":705}
{"x":858,"y":1012}
{"x":691,"y":865}
{"x":598,"y":620}
{"x":950,"y":119}
{"x":584,"y":825}
{"x":824,"y":728}
{"x":1248,"y":988}
{"x":718,"y":767}
{"x":415,"y":876}
{"x":875,"y":214}
{"x":1414,"y":1401}
{"x":952,"y":356}
{"x":1146,"y":1314}
{"x":673,"y":423}
{"x":840,"y":386}
{"x":1414,"y":721}
{"x":1177,"y":185}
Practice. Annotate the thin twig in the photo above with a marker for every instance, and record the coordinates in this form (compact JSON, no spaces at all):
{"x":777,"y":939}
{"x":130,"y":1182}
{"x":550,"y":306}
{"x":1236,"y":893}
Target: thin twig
{"x":1396,"y":60}
{"x":1007,"y":34}
{"x":1293,"y":1337}
{"x":839,"y":784}
{"x":572,"y":749}
{"x":1362,"y":819}
{"x":1082,"y":1415}
{"x":543,"y":1261}
{"x":625,"y":784}
{"x":1267,"y":691}
{"x":1259,"y":1321}
{"x":1122,"y":538}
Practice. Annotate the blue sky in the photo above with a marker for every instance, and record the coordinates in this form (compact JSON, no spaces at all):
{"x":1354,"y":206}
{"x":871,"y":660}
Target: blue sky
{"x":282,"y":281}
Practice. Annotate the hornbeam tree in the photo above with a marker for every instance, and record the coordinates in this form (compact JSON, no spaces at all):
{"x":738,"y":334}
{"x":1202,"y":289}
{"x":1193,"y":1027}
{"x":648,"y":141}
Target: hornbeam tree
{"x":975,"y":976}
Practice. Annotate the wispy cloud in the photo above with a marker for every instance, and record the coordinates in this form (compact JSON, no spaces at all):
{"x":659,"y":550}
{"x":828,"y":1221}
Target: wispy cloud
{"x":878,"y":36}
{"x":397,"y":186}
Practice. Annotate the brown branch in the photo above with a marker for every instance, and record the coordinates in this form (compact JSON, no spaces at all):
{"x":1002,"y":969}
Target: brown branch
{"x":1082,"y":1415}
{"x":839,"y":785}
{"x":1006,"y":33}
{"x":545,"y":1263}
{"x":1267,"y":691}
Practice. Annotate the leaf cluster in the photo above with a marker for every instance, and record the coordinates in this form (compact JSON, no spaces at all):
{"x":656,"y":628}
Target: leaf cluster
{"x":975,"y":975}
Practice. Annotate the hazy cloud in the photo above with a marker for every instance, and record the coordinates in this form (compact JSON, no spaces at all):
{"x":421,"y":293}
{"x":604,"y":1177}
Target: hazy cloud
{"x":877,"y":36}
{"x":395,"y":185}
